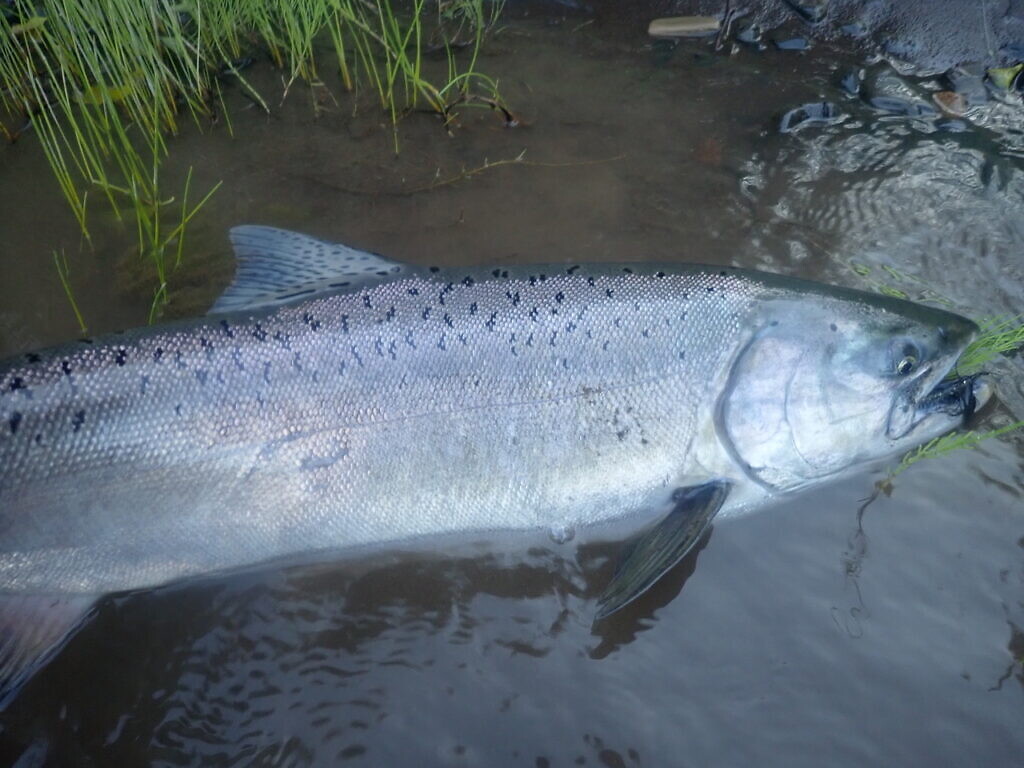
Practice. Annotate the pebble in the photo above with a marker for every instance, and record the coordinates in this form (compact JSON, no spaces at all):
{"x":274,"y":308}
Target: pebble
{"x":951,"y":102}
{"x":896,"y":106}
{"x":750,"y":33}
{"x":684,"y":26}
{"x":792,"y":44}
{"x":816,"y":113}
{"x":850,"y":82}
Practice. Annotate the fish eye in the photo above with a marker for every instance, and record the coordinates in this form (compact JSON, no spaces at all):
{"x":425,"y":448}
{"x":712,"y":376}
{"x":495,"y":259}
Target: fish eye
{"x":906,"y":365}
{"x":905,"y":355}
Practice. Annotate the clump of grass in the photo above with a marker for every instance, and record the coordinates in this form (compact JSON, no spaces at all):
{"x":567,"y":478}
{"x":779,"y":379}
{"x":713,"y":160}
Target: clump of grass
{"x":999,"y":336}
{"x":955,"y":441}
{"x":890,"y":278}
{"x":104,"y":83}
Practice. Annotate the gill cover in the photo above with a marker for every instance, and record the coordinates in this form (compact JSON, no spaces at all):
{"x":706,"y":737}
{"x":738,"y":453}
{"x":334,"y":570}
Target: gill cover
{"x":828,"y":382}
{"x":754,"y":411}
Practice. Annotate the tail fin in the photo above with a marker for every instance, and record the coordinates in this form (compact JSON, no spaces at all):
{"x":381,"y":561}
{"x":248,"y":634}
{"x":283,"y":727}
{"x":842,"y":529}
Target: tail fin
{"x":32,"y":629}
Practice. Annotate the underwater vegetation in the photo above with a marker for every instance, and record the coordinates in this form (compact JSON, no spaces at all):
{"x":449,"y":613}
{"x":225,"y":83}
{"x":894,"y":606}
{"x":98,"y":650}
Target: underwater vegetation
{"x":102,"y":85}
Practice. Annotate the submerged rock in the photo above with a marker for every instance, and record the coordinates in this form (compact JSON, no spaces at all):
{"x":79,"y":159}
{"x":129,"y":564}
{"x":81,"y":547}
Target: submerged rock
{"x":792,"y":44}
{"x":817,"y":113}
{"x":903,"y":107}
{"x":888,"y":91}
{"x":968,"y":80}
{"x":951,"y":102}
{"x":750,"y":33}
{"x":851,"y":81}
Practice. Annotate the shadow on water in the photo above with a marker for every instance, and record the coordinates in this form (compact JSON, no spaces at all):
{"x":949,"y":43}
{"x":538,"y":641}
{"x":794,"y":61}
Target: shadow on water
{"x":621,"y":628}
{"x":219,"y":665}
{"x":1016,"y":650}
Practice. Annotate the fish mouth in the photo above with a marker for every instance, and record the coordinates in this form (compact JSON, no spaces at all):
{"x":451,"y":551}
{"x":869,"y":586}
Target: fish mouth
{"x":957,"y":397}
{"x":935,"y":394}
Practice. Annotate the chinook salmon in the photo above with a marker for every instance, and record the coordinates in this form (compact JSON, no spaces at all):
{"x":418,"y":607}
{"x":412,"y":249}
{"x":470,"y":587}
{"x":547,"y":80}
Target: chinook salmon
{"x":334,"y":399}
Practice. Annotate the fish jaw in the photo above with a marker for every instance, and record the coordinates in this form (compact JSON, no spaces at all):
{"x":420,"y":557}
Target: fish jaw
{"x":937,"y":401}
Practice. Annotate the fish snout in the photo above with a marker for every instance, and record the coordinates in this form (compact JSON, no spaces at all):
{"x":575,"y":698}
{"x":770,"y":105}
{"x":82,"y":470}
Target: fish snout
{"x":959,"y":397}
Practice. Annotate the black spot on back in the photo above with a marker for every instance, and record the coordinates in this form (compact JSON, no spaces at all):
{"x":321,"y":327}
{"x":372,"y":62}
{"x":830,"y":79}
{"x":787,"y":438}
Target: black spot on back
{"x":14,"y":422}
{"x":77,"y":421}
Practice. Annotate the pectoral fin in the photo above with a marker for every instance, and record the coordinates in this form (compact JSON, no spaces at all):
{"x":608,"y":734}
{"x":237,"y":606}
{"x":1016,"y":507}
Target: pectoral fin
{"x":657,"y":550}
{"x":32,"y":629}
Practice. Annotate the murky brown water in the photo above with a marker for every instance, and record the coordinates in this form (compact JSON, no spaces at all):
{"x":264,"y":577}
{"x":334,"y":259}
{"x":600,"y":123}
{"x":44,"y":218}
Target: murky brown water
{"x":804,"y":635}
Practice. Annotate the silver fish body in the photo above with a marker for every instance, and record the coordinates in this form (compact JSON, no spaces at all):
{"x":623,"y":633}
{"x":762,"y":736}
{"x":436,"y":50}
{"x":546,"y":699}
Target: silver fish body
{"x":315,"y":413}
{"x":450,"y":402}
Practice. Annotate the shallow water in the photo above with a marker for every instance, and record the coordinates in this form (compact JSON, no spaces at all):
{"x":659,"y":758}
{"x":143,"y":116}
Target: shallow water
{"x":823,"y":630}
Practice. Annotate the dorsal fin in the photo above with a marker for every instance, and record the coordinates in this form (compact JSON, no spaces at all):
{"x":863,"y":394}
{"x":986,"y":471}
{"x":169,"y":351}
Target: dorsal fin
{"x":275,"y":266}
